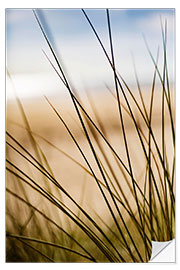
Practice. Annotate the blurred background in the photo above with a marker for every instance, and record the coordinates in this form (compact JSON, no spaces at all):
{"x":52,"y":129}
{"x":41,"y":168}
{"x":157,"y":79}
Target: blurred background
{"x":78,"y":48}
{"x":33,"y":123}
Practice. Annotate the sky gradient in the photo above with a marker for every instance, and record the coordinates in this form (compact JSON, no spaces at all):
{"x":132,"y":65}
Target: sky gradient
{"x":78,"y":48}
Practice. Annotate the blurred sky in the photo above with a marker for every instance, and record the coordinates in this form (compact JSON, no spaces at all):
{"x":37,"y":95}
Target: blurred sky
{"x":78,"y":48}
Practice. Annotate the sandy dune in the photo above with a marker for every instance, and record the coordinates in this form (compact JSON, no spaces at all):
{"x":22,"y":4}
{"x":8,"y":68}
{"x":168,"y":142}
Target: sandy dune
{"x":44,"y":122}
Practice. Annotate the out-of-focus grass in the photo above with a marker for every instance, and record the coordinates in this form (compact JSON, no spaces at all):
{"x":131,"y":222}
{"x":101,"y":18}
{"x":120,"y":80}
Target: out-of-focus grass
{"x":146,"y":212}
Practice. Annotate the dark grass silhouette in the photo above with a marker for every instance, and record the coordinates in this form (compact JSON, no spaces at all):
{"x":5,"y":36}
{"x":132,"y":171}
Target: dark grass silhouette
{"x":127,"y":236}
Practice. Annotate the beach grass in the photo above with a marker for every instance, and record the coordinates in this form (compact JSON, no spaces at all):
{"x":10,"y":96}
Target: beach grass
{"x":46,"y":223}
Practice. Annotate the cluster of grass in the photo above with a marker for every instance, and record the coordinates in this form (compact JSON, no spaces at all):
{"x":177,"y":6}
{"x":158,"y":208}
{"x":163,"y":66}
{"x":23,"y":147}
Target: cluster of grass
{"x":39,"y":236}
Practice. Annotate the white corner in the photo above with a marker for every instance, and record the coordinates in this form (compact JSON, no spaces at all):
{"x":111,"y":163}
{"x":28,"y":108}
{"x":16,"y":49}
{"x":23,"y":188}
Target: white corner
{"x":163,"y":252}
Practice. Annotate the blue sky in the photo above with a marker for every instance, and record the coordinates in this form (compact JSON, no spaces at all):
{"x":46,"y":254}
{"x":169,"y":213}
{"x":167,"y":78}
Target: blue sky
{"x":79,"y":50}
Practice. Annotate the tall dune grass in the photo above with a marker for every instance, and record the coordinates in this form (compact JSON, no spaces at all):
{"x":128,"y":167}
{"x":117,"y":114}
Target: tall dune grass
{"x":36,"y":234}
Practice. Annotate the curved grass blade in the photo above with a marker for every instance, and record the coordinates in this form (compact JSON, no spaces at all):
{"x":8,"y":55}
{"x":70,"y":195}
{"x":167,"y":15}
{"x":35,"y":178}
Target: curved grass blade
{"x":50,"y":220}
{"x":47,"y":243}
{"x":45,"y":194}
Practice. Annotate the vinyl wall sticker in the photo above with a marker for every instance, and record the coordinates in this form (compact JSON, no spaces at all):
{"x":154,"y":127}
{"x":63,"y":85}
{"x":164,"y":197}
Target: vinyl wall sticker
{"x":90,"y":134}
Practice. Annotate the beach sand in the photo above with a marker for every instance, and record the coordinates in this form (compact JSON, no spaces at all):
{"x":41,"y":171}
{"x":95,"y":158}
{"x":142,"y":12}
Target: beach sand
{"x":80,"y":185}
